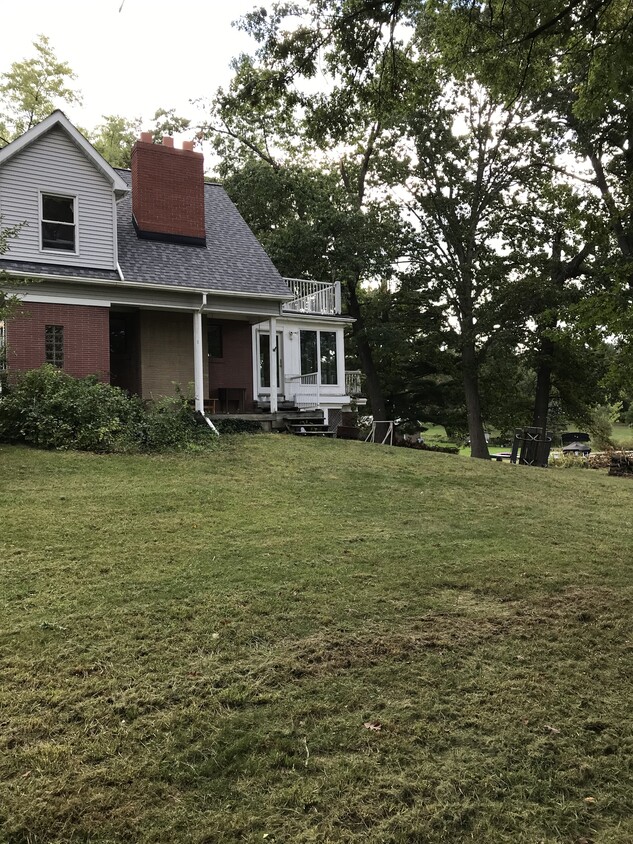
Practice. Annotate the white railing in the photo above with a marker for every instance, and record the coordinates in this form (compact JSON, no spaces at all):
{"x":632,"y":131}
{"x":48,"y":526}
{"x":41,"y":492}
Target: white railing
{"x":313,"y":297}
{"x":304,"y":390}
{"x":353,"y":385}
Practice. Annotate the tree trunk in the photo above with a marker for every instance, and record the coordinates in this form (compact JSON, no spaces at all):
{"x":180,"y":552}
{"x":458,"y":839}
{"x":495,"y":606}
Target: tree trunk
{"x":374,"y":389}
{"x":543,"y":383}
{"x":470,"y":371}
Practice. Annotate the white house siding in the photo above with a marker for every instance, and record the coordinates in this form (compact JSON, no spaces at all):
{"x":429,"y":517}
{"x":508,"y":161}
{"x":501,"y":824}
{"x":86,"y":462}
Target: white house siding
{"x":53,"y":164}
{"x":331,"y":395}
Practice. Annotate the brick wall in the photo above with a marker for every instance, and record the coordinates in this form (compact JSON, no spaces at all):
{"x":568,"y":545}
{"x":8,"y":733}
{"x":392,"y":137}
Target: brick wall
{"x":235,"y":369}
{"x":168,"y":190}
{"x":86,"y":338}
{"x":167,"y":353}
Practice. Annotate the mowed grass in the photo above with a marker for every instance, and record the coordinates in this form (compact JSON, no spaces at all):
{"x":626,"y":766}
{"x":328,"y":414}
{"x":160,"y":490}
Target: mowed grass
{"x":299,"y":641}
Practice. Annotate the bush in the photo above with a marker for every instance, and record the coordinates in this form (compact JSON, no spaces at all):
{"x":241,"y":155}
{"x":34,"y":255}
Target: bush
{"x":568,"y":461}
{"x":50,"y":409}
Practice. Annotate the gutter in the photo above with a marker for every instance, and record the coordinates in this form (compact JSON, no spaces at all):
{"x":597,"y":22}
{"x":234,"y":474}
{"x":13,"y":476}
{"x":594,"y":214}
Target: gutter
{"x":173,"y":288}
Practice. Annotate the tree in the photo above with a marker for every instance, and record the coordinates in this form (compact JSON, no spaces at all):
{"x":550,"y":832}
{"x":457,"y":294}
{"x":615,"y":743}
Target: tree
{"x":7,"y":282}
{"x":31,"y":89}
{"x":343,"y":130}
{"x":115,"y":137}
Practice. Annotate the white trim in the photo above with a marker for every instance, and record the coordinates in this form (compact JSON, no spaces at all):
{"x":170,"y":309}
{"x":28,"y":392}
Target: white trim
{"x":338,"y":346}
{"x":148,"y":286}
{"x":198,"y":369}
{"x":115,"y":237}
{"x":272,"y":362}
{"x":61,"y":300}
{"x":52,"y":251}
{"x":59,"y":119}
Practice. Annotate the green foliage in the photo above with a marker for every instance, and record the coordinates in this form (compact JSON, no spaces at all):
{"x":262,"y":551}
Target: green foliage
{"x":568,"y":461}
{"x":114,"y":139}
{"x":237,"y":426}
{"x":8,"y":302}
{"x":601,"y":425}
{"x":49,"y":409}
{"x":32,"y":88}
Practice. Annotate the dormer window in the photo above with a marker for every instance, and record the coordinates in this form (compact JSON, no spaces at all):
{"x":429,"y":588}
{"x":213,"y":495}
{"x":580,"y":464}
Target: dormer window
{"x":58,"y":222}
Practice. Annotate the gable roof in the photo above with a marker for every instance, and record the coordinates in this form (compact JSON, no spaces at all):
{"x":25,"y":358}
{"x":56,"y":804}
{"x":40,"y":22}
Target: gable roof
{"x":59,"y":120}
{"x":233,"y":260}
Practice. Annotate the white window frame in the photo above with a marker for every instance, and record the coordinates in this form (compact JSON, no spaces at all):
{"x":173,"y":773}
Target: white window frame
{"x":60,"y":195}
{"x":338,"y":336}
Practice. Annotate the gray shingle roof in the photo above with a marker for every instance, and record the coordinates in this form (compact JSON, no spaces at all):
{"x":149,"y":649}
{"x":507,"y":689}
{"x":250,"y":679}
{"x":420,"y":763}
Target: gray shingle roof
{"x":233,"y":260}
{"x":57,"y":270}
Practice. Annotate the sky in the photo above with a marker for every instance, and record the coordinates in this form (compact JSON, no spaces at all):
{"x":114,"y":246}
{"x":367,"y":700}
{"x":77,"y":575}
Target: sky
{"x":151,"y":54}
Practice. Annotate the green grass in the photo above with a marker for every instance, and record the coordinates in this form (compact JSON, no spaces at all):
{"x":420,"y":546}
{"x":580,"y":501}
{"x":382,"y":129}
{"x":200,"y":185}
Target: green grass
{"x":191,"y":647}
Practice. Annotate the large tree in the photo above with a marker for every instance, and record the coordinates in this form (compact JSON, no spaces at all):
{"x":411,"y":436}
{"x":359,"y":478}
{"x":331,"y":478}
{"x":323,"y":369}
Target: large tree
{"x":275,"y":113}
{"x":31,"y":89}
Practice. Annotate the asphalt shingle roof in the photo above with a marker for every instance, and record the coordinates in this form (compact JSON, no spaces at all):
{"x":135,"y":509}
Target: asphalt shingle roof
{"x":57,"y":270}
{"x":233,"y":260}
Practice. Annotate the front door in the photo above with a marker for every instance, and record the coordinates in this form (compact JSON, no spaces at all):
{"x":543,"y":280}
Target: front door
{"x":263,"y":356}
{"x":124,"y":351}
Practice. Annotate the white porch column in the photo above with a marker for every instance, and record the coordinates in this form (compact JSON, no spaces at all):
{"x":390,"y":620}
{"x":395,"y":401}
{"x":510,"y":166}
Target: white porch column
{"x":272,"y":347}
{"x":198,"y":368}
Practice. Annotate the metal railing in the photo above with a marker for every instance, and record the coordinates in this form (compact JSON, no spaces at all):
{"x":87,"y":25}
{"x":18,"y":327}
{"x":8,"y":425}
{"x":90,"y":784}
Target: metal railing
{"x":304,"y":390}
{"x":313,"y":297}
{"x":353,"y":386}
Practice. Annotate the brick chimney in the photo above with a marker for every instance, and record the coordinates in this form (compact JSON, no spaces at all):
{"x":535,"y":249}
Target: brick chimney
{"x":168,"y":192}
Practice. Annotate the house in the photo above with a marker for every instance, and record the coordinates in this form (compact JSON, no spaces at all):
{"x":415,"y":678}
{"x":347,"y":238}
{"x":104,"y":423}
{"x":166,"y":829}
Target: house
{"x":151,"y":279}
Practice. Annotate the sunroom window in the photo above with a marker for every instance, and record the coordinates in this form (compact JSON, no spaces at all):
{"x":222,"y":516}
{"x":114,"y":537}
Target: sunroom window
{"x":59,"y":222}
{"x":318,"y":355}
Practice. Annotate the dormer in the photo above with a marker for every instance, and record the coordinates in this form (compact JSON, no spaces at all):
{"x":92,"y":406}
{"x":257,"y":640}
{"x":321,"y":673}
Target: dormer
{"x":63,"y":193}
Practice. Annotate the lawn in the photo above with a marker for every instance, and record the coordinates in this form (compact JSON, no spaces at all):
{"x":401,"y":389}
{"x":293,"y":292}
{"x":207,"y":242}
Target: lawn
{"x":299,"y":641}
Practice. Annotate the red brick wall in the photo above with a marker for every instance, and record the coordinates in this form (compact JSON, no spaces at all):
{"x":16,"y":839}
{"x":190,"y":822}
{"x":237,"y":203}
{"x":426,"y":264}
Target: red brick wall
{"x":86,"y":338}
{"x":235,"y":369}
{"x":168,"y":190}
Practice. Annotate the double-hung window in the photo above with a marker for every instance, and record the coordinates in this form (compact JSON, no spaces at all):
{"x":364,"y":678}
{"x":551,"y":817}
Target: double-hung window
{"x":58,"y":225}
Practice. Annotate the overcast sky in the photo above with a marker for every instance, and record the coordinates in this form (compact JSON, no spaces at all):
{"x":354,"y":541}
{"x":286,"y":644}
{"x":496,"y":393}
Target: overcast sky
{"x":151,"y":54}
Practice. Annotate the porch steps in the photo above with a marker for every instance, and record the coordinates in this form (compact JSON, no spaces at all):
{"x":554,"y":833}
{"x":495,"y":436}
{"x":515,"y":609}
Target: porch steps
{"x":307,"y":425}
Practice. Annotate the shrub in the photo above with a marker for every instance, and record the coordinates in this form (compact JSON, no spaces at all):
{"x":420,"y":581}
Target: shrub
{"x":50,"y":409}
{"x":567,"y":461}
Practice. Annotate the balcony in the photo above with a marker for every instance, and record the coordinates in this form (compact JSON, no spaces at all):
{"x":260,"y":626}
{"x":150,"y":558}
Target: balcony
{"x":313,"y":297}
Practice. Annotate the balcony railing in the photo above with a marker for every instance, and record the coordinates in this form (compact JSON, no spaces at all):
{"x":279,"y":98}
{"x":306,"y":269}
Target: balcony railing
{"x":313,"y":297}
{"x":304,"y":390}
{"x":353,"y":386}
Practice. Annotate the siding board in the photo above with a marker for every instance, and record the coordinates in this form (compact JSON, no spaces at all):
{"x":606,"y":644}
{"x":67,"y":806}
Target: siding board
{"x":54,"y":164}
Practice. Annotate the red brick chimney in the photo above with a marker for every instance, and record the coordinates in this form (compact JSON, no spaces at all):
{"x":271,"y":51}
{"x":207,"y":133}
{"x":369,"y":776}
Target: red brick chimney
{"x":168,"y":192}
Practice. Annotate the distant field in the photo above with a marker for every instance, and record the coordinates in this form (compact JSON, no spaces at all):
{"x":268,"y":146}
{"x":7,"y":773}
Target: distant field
{"x":436,"y":434}
{"x":299,"y":641}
